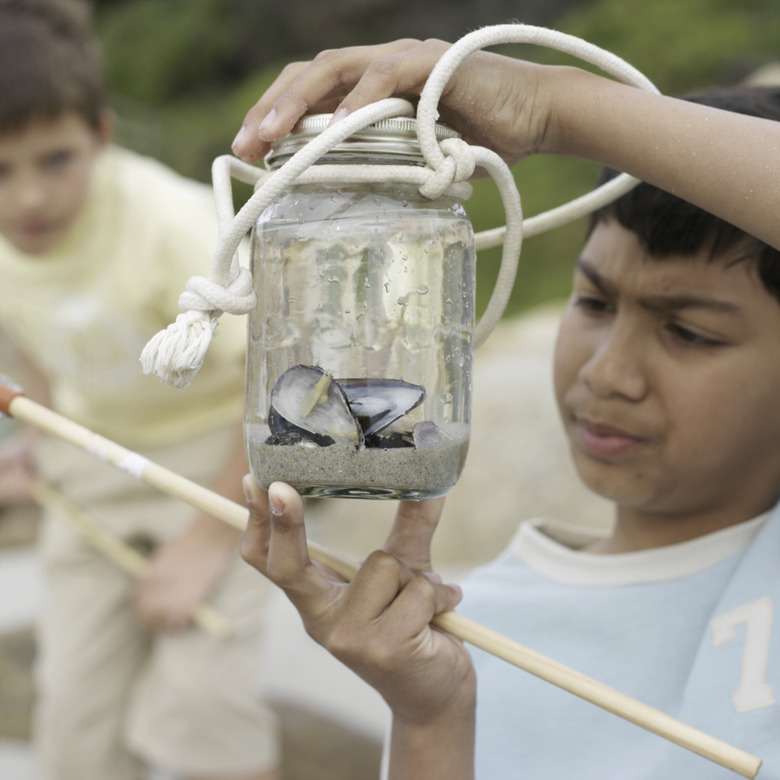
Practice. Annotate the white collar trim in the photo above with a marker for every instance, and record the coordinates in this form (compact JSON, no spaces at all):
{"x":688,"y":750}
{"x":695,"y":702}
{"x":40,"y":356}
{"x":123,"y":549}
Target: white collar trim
{"x":536,"y":546}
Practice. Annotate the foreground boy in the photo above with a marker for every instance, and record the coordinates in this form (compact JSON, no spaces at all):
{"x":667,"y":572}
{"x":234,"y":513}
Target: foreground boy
{"x":667,"y":375}
{"x":95,"y":243}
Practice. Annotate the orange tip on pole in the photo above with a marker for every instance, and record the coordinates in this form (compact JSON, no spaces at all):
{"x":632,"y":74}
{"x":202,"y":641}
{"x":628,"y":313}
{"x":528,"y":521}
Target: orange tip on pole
{"x":7,"y":394}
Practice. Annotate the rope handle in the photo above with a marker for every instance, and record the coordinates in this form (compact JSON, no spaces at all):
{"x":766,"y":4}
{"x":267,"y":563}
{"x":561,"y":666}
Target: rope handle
{"x":176,"y":353}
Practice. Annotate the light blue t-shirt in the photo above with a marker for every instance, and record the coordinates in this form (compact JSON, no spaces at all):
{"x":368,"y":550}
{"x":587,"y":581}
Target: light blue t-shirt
{"x":688,"y":629}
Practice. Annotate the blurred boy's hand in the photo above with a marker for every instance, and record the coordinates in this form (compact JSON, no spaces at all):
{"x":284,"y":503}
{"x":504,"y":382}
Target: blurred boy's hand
{"x":17,"y":470}
{"x":180,"y":575}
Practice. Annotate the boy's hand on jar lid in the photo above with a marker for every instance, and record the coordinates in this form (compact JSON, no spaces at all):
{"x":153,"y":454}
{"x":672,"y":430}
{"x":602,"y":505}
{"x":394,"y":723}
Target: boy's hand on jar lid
{"x":337,"y":81}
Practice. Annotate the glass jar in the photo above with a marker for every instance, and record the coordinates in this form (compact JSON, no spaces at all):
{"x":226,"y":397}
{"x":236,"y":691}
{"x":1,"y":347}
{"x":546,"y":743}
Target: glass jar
{"x":360,"y":345}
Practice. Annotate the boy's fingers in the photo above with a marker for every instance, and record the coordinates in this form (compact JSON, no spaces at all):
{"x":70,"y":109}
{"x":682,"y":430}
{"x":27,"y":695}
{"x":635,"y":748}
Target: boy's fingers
{"x":412,"y":532}
{"x":423,"y":589}
{"x":247,"y":143}
{"x":275,"y":539}
{"x":288,"y":552}
{"x":254,"y":545}
{"x":320,"y":86}
{"x":400,"y":71}
{"x":387,"y":602}
{"x":275,"y":544}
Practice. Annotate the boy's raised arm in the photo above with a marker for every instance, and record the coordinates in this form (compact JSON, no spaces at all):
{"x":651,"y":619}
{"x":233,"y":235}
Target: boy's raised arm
{"x":723,"y":162}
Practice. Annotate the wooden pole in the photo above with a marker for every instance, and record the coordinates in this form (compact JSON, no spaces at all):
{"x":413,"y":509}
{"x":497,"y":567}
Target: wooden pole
{"x":17,"y":405}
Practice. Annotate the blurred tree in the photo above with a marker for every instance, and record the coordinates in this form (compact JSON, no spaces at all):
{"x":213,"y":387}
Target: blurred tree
{"x":184,"y":72}
{"x":157,"y":51}
{"x":190,"y":46}
{"x":683,"y":46}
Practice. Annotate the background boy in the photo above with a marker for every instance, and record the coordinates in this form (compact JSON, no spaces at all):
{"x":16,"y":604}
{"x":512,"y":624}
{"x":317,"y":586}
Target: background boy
{"x":667,"y":373}
{"x":95,"y":244}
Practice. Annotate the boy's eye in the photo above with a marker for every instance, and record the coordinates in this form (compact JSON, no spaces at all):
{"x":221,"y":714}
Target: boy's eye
{"x":57,"y":159}
{"x":691,"y":337}
{"x":591,"y":303}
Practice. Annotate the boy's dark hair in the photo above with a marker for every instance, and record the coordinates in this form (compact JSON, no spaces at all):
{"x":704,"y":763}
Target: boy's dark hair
{"x":49,"y":63}
{"x":667,"y":225}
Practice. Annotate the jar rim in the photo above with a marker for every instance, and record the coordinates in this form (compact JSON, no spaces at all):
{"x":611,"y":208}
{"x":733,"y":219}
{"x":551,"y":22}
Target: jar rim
{"x":394,"y":137}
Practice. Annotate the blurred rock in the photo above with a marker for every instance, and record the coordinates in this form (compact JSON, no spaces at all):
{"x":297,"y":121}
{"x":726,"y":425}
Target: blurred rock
{"x":767,"y":75}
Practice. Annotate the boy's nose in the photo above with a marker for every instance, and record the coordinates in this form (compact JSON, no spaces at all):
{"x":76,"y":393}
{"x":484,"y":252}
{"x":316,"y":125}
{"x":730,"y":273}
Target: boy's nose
{"x":30,"y":193}
{"x":616,"y":366}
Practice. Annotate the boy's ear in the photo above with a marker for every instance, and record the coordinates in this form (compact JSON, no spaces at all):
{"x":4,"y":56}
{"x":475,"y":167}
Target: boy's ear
{"x":107,"y":128}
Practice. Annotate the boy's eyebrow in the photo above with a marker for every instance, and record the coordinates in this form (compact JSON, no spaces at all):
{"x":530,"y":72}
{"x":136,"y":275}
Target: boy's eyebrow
{"x":657,"y":302}
{"x":592,"y":275}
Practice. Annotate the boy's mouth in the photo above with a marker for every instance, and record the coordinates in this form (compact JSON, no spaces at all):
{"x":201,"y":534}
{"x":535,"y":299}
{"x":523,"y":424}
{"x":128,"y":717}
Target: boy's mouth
{"x":34,"y":228}
{"x":33,"y":236}
{"x":603,"y":441}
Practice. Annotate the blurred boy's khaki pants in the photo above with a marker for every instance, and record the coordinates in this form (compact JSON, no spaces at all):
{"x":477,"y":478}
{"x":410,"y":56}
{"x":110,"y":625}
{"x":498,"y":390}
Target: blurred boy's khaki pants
{"x":108,"y":692}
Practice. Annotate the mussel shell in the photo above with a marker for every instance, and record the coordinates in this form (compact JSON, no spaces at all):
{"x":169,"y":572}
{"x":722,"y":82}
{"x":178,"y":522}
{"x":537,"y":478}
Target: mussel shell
{"x":377,"y":403}
{"x":283,"y":432}
{"x":389,"y":439}
{"x":307,"y":399}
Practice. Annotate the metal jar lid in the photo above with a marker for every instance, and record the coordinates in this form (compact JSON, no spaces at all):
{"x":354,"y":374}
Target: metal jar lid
{"x":394,"y":139}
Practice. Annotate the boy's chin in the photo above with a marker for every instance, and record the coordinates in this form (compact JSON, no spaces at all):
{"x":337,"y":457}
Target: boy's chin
{"x":37,"y":243}
{"x":611,"y":483}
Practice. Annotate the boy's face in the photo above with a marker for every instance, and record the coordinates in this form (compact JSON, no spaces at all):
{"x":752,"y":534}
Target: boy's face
{"x":45,"y":172}
{"x":667,"y":376}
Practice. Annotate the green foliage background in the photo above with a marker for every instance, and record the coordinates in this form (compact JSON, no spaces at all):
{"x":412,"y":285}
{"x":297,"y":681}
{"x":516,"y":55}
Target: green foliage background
{"x":184,"y":72}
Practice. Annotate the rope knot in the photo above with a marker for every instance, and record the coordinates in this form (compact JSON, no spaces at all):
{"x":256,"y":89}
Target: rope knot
{"x":176,"y":353}
{"x":457,"y":165}
{"x":203,"y":294}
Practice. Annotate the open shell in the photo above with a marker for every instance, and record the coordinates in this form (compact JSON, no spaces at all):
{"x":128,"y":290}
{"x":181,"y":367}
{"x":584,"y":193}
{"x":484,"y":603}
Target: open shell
{"x":377,"y":403}
{"x":309,"y":406}
{"x":306,"y":400}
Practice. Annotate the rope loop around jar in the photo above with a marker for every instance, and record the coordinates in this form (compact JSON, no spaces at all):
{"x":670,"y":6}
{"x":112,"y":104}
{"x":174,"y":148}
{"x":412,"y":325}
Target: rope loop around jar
{"x":176,"y":353}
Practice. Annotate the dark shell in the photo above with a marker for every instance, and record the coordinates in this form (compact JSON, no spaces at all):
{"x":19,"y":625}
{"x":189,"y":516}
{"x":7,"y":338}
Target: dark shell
{"x":377,"y":403}
{"x":389,"y":439}
{"x":285,"y":433}
{"x":307,"y":399}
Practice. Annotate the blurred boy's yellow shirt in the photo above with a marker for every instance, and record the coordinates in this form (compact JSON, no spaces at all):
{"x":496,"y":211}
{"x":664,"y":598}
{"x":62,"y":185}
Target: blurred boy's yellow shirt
{"x":84,"y":311}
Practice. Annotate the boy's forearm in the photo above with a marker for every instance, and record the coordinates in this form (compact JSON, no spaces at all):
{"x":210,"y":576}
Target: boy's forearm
{"x":444,"y":749}
{"x":703,"y":155}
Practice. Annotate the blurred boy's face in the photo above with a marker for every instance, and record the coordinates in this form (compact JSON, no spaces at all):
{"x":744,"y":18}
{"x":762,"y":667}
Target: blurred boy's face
{"x":45,"y":172}
{"x":667,"y":377}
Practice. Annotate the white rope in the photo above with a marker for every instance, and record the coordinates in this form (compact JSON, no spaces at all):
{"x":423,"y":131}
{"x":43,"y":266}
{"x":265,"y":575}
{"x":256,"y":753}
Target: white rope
{"x":176,"y":353}
{"x":562,"y":215}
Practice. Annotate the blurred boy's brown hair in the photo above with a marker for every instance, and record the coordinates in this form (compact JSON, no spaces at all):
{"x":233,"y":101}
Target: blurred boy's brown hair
{"x":49,"y":63}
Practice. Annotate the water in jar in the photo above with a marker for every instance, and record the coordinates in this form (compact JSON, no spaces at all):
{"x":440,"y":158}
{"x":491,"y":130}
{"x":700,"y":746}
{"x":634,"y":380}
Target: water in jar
{"x":360,"y":289}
